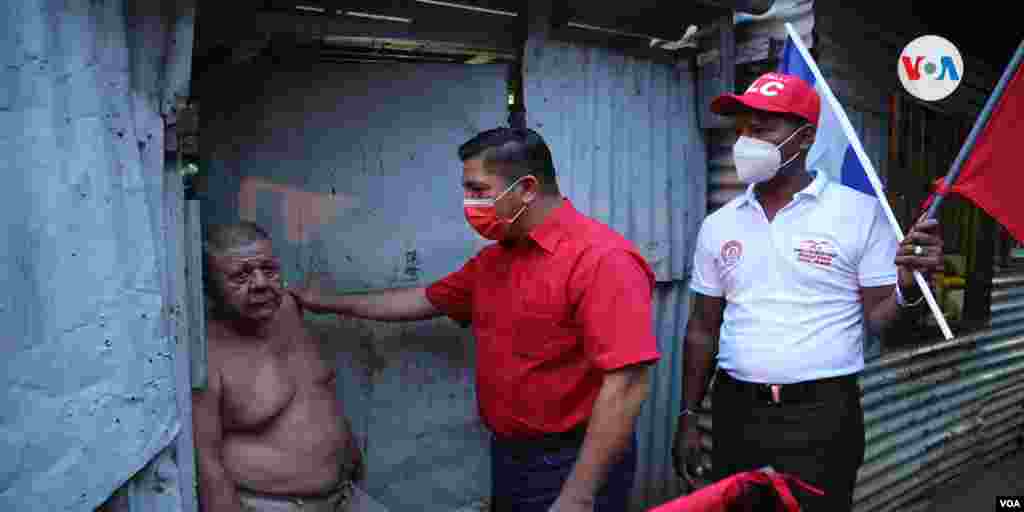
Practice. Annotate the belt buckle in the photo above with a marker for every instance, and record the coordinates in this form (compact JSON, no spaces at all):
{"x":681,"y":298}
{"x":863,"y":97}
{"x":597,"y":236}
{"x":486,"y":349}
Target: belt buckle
{"x":776,"y":390}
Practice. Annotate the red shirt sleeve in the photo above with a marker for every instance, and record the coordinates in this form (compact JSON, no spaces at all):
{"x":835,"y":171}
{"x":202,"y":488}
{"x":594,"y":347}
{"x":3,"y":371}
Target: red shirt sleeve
{"x":615,"y":293}
{"x":453,"y":294}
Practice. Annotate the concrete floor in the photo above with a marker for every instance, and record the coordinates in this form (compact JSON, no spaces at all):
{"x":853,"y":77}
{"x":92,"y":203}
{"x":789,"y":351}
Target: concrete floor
{"x":978,"y":492}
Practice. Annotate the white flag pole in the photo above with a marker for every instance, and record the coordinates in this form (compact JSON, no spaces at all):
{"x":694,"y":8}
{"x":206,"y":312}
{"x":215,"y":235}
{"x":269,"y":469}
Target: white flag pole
{"x":876,"y":184}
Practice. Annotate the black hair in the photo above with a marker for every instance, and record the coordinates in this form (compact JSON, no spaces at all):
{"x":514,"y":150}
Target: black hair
{"x":512,"y":153}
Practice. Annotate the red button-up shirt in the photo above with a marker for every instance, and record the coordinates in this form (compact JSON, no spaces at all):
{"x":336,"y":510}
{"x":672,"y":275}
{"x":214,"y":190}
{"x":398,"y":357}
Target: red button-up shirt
{"x":550,"y":317}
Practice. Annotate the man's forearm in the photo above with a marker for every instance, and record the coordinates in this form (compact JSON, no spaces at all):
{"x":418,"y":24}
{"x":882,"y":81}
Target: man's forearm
{"x":608,"y":435}
{"x":888,"y":311}
{"x":885,"y":313}
{"x":699,"y":358}
{"x":397,"y":305}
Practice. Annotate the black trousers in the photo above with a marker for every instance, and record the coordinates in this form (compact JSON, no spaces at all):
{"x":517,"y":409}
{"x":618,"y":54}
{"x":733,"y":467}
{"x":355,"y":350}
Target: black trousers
{"x":817,"y":435}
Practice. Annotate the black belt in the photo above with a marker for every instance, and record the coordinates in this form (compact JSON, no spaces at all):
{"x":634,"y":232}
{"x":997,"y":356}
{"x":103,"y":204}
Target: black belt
{"x":548,"y":442}
{"x":797,"y":392}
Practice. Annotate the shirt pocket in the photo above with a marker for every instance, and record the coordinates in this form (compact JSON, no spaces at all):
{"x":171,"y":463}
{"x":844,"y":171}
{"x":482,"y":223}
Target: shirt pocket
{"x":542,"y":335}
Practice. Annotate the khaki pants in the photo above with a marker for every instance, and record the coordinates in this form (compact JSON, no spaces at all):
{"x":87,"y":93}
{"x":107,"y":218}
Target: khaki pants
{"x":348,"y":498}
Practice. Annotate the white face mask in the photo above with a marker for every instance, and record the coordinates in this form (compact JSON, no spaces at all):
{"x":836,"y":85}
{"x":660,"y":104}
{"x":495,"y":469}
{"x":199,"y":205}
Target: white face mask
{"x":757,"y":161}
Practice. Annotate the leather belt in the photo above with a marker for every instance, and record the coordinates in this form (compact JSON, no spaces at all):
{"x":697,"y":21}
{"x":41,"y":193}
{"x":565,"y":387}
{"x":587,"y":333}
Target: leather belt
{"x":797,"y":392}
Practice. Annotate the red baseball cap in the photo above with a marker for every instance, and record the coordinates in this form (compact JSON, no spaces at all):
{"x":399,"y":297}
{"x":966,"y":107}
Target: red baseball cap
{"x":773,"y":92}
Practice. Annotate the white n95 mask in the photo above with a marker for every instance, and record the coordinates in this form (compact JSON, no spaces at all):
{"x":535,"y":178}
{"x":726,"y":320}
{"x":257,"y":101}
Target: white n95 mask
{"x":757,"y":161}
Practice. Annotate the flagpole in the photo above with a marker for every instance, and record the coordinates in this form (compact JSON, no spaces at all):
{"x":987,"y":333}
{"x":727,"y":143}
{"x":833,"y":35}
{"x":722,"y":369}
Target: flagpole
{"x":869,"y":169}
{"x":979,"y":125}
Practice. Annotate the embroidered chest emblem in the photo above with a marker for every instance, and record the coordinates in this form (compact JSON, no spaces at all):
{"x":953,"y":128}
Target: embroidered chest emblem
{"x":732,"y":251}
{"x":816,"y":252}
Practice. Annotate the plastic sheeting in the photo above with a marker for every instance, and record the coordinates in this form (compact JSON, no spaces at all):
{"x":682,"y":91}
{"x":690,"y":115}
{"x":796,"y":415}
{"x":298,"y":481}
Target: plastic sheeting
{"x":87,"y":363}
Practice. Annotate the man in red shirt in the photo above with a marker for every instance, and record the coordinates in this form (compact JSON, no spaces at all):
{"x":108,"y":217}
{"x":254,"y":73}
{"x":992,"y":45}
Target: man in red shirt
{"x":561,"y":311}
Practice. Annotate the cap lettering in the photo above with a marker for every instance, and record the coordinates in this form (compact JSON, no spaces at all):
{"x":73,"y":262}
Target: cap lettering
{"x":772,"y":88}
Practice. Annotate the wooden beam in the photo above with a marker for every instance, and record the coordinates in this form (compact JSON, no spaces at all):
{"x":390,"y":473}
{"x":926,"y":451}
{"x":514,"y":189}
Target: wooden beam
{"x":716,"y":72}
{"x":196,"y":296}
{"x":175,"y":316}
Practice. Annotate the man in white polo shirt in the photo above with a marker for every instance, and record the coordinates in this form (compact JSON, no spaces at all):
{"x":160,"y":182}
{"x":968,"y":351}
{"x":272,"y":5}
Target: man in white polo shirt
{"x":787,"y":278}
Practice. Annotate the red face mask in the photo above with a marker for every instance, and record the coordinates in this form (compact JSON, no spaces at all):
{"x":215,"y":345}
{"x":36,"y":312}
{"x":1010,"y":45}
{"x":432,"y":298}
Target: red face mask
{"x":482,"y":215}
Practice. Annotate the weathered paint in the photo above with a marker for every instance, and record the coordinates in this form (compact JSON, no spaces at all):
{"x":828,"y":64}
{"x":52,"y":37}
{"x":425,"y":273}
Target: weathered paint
{"x":353,"y":170}
{"x":303,"y":212}
{"x":88,"y":363}
{"x":624,"y":135}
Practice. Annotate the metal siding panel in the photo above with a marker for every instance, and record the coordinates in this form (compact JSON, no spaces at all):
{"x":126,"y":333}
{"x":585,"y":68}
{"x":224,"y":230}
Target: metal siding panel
{"x":1007,"y":298}
{"x":948,"y":409}
{"x":623,"y":134}
{"x":656,"y":480}
{"x":89,"y":369}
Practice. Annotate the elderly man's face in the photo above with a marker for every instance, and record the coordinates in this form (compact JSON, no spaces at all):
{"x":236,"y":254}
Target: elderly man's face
{"x":248,"y":279}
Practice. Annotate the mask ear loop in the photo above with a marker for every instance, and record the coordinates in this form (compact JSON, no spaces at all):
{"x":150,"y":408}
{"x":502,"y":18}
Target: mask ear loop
{"x":510,"y":187}
{"x":795,"y":155}
{"x":525,"y":205}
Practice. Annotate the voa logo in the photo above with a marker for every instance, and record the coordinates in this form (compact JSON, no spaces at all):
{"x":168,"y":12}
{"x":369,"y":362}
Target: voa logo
{"x":930,"y":68}
{"x":1010,"y":504}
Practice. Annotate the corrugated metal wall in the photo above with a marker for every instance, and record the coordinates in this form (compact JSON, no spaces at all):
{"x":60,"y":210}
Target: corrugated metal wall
{"x":624,"y":135}
{"x":623,"y":131}
{"x":1008,"y":297}
{"x":89,"y":362}
{"x":353,"y":168}
{"x":937,"y":413}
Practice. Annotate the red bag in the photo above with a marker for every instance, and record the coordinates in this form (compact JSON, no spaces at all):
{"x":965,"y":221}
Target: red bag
{"x":718,"y":496}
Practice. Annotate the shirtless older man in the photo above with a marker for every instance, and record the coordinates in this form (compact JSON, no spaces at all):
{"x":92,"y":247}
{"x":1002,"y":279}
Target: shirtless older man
{"x":269,"y":429}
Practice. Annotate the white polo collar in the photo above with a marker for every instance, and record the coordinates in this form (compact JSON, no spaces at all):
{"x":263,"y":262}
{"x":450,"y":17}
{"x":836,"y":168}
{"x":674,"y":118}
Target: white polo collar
{"x":814,"y":189}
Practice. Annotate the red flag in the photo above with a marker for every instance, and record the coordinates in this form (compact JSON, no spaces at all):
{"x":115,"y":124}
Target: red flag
{"x":991,"y":176}
{"x":718,"y":496}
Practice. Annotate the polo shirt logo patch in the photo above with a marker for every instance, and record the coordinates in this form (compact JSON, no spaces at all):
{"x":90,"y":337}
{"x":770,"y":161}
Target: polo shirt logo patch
{"x":816,"y":252}
{"x":732,"y":251}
